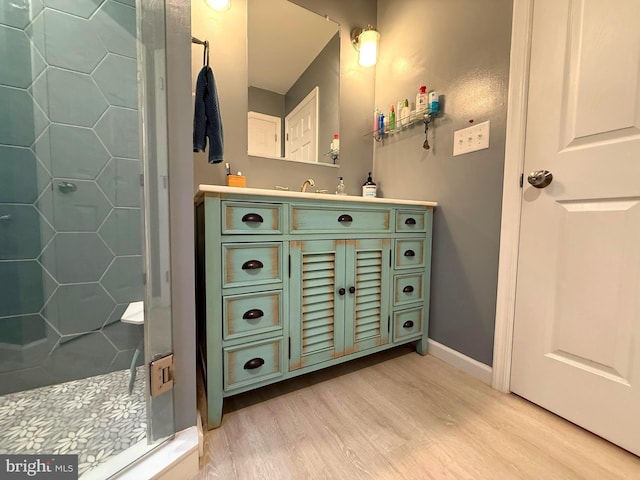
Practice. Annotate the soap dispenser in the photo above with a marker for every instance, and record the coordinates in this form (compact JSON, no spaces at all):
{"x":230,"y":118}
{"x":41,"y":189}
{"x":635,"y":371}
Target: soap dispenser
{"x":341,"y":189}
{"x":369,"y":188}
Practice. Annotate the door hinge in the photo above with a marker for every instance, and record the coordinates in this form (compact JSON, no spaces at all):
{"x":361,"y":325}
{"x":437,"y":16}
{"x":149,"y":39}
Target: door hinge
{"x":389,"y":324}
{"x":289,"y":348}
{"x":389,"y":257}
{"x":521,"y":180}
{"x":287,"y":137}
{"x":141,"y":180}
{"x":289,"y":266}
{"x":161,"y":371}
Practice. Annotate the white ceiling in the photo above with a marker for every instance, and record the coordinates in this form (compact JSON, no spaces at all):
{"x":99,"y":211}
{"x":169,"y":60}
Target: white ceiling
{"x":283,"y":39}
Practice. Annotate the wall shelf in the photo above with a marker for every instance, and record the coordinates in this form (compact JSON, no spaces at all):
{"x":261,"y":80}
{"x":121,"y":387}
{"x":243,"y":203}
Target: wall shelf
{"x":405,"y":123}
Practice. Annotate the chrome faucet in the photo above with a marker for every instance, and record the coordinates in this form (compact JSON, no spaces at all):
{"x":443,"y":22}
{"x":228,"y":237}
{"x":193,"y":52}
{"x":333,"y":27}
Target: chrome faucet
{"x":307,"y":183}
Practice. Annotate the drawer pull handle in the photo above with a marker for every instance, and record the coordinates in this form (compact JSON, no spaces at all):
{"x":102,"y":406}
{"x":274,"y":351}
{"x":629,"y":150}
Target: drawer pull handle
{"x":407,"y":324}
{"x":352,"y":289}
{"x":407,"y":289}
{"x":345,"y":218}
{"x":252,"y":265}
{"x":410,"y":221}
{"x":409,"y":253}
{"x":254,"y":363}
{"x":253,"y":314}
{"x":252,"y":217}
{"x":342,"y":291}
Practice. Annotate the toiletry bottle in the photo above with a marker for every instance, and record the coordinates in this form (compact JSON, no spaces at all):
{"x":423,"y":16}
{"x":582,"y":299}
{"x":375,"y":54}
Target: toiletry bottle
{"x":376,"y":119}
{"x":334,"y":149}
{"x":433,"y":103}
{"x":341,"y":189}
{"x":369,"y":188}
{"x":405,"y":112}
{"x":381,"y":124}
{"x":392,"y":119}
{"x":422,"y":100}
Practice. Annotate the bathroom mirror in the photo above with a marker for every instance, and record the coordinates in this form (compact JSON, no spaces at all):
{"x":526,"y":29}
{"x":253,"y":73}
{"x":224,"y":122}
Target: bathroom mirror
{"x":294,"y":81}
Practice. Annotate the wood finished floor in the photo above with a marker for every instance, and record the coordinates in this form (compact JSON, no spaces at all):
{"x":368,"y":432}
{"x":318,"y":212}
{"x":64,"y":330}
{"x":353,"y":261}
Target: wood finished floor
{"x":401,"y":416}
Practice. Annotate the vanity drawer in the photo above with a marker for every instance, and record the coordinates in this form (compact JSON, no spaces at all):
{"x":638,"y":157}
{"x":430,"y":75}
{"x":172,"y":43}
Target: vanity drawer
{"x":338,"y":220}
{"x":241,"y":218}
{"x":253,"y":363}
{"x":251,"y":314}
{"x":409,"y":253}
{"x":407,"y":288}
{"x":245,"y":264}
{"x":407,"y":324}
{"x":411,"y":221}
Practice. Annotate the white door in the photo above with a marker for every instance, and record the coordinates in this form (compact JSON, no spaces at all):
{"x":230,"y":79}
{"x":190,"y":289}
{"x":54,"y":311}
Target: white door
{"x":301,"y":126}
{"x":576,"y":344}
{"x":264,"y":135}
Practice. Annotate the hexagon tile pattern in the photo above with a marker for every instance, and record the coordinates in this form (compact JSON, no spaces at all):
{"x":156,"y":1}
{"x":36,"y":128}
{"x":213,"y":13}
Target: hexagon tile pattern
{"x":68,"y":156}
{"x":76,"y":257}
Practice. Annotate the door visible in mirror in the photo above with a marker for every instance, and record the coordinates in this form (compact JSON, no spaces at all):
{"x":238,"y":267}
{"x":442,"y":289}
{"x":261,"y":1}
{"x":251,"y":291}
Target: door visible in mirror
{"x":294,"y":77}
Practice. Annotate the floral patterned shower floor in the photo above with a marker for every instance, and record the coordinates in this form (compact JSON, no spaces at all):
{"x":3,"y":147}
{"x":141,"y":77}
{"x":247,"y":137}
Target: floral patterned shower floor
{"x":94,"y":418}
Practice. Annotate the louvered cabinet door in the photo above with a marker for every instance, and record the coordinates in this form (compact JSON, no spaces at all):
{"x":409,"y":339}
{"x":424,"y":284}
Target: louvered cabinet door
{"x":317,"y":301}
{"x":367,"y":304}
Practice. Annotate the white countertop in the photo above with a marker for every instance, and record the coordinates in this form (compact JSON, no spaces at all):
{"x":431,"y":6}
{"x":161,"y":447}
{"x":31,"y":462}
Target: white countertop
{"x":315,"y":196}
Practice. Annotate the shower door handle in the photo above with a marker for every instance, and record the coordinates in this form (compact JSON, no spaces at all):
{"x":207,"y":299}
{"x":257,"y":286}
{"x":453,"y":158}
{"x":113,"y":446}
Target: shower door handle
{"x":67,"y":187}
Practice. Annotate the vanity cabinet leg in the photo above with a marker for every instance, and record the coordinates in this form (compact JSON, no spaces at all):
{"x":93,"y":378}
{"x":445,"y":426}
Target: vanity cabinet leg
{"x":422,"y":346}
{"x":215,"y":397}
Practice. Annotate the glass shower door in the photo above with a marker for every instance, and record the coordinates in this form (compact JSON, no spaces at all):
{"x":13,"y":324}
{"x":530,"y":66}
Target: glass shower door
{"x":85,"y":302}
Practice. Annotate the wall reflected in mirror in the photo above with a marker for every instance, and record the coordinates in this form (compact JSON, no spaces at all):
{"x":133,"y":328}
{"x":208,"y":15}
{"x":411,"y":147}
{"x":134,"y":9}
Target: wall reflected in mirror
{"x":294,"y":81}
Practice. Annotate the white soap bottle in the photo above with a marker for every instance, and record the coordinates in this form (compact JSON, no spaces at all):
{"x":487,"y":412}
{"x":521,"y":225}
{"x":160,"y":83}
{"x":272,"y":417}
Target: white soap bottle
{"x":422,"y":99}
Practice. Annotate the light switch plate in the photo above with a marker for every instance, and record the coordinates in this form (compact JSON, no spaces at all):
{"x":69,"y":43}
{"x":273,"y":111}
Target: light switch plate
{"x":471,"y":139}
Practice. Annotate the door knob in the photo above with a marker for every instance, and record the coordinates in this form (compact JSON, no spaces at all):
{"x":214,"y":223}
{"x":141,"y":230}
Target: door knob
{"x":540,"y":178}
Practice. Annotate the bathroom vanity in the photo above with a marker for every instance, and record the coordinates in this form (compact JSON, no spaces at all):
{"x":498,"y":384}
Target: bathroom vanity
{"x":291,"y":282}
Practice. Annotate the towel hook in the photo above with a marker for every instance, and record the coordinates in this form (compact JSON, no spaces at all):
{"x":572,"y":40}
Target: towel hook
{"x":205,"y":55}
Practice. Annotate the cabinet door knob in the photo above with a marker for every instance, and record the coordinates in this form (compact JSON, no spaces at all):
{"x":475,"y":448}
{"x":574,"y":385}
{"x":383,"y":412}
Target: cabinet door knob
{"x":345,"y":218}
{"x":342,"y":291}
{"x":409,"y":253}
{"x":407,"y":289}
{"x":407,"y":324}
{"x":252,"y":265}
{"x":254,"y":363}
{"x":252,"y":217}
{"x":253,"y":314}
{"x":352,"y":289}
{"x":410,"y":221}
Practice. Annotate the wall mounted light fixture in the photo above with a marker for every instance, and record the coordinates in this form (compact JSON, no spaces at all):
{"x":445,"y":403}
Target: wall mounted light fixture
{"x":365,"y":41}
{"x":219,"y":5}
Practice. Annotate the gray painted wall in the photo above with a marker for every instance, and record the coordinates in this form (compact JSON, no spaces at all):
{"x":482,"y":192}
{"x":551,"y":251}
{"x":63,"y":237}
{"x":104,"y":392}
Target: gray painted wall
{"x":267,"y":102}
{"x":356,"y":101}
{"x":180,"y":135}
{"x":461,"y":49}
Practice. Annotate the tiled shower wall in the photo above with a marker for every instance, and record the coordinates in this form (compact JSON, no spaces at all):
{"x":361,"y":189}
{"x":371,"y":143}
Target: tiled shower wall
{"x":70,"y":190}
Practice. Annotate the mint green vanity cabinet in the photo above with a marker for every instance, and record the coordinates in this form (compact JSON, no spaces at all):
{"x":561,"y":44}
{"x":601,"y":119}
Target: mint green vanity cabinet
{"x":289,"y":283}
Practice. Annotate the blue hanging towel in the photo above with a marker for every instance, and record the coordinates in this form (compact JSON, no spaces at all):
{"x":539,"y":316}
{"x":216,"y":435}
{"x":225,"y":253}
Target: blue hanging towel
{"x":206,"y":119}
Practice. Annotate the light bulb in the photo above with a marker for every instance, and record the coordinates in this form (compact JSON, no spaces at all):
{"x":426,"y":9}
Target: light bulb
{"x":219,"y":5}
{"x":368,"y":48}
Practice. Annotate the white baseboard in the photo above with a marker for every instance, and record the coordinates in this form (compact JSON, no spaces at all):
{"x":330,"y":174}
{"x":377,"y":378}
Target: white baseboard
{"x":456,"y":359}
